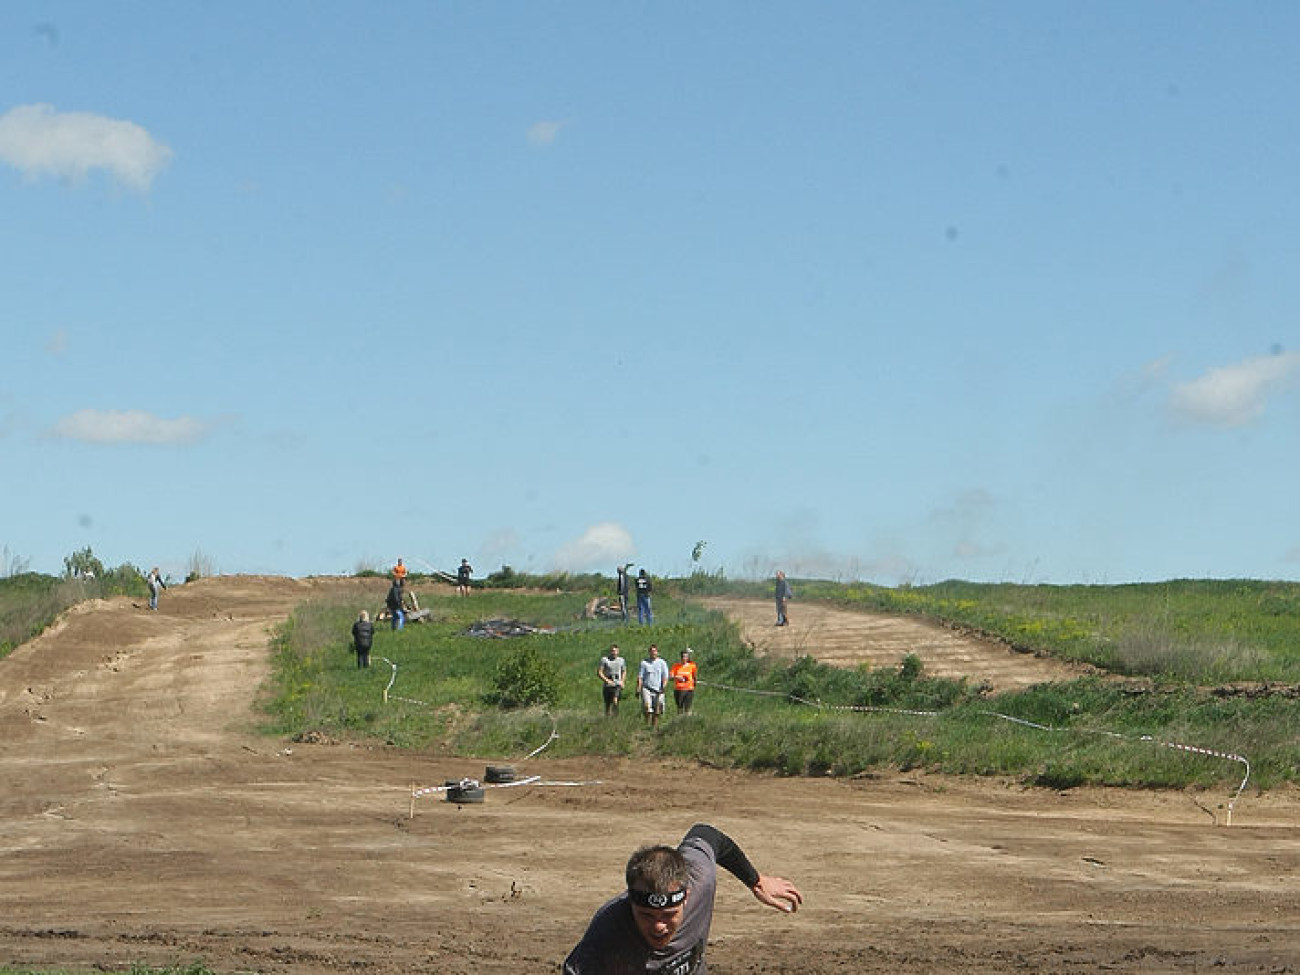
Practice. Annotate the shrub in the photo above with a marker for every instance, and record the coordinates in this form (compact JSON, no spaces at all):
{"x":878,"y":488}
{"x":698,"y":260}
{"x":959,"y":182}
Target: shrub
{"x":524,"y":678}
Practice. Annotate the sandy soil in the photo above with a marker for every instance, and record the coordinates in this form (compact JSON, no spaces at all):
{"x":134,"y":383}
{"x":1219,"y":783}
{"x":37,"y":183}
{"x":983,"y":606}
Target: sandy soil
{"x":844,"y":638}
{"x":142,"y":822}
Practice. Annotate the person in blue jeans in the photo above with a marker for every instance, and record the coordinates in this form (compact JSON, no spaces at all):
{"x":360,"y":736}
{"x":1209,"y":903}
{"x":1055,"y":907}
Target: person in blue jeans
{"x":156,"y":585}
{"x":394,"y":603}
{"x":644,"y":615}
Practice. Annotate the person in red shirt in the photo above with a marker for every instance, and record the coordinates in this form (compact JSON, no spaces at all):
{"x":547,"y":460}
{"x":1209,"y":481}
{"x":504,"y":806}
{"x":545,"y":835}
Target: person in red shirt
{"x":683,"y":674}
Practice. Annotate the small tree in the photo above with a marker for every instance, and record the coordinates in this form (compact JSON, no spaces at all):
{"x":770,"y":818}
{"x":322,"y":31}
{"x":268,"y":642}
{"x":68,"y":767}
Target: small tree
{"x":523,"y":678}
{"x":82,"y":565}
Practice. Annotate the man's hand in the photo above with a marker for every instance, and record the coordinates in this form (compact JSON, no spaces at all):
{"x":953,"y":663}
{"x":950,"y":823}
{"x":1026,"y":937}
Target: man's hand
{"x":778,"y":892}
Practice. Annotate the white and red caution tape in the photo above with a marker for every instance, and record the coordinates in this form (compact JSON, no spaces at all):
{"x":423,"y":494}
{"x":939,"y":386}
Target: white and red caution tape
{"x":1176,"y":746}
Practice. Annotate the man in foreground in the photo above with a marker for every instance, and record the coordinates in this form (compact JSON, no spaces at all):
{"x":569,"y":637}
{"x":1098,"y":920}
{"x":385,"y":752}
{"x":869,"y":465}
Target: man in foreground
{"x":661,"y":922}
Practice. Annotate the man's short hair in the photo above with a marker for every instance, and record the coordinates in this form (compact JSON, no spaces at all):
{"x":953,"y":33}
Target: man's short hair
{"x":658,"y":870}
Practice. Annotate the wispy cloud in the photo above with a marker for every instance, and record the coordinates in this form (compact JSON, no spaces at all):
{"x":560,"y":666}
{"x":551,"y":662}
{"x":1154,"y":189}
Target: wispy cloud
{"x":40,"y":141}
{"x":128,"y":427}
{"x":1235,"y":395}
{"x":599,"y":547}
{"x":545,"y":133}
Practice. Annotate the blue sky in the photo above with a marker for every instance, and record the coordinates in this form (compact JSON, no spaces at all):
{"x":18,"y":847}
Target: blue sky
{"x":894,"y":291}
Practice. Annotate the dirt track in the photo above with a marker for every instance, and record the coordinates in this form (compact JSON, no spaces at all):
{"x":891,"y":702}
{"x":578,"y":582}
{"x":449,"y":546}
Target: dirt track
{"x":141,"y":821}
{"x":845,"y":638}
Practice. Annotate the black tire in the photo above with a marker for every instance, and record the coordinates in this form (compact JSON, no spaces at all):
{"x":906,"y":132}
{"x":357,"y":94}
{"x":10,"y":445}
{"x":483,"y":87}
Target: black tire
{"x":499,"y":773}
{"x":463,"y":796}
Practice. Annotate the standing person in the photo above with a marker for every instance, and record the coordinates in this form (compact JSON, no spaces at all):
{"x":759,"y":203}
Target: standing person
{"x":394,"y":601}
{"x":783,"y":593}
{"x":683,"y":673}
{"x":612,"y":671}
{"x":661,"y":922}
{"x":156,"y":584}
{"x":622,"y":585}
{"x":644,"y":588}
{"x":651,"y":683}
{"x":363,"y":636}
{"x":399,"y":573}
{"x":462,"y":577}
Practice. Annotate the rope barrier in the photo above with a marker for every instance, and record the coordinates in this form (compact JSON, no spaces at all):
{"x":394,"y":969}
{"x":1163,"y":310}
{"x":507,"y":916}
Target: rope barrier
{"x":392,"y":679}
{"x":1175,"y":746}
{"x":555,"y":736}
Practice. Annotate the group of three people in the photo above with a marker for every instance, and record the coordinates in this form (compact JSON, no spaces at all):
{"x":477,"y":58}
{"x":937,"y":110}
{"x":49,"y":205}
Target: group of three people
{"x":652,"y":680}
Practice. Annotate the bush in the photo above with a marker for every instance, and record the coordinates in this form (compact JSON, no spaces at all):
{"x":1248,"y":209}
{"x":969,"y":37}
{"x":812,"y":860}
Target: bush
{"x":525,"y":678}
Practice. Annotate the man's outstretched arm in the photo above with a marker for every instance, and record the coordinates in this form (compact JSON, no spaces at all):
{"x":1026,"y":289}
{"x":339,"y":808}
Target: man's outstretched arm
{"x":775,"y":892}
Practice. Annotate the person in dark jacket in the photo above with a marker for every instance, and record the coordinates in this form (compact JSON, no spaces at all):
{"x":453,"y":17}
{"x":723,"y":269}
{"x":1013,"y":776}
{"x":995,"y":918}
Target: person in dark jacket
{"x":394,"y":602}
{"x":644,"y":588}
{"x":622,"y":586}
{"x":783,"y":595}
{"x":363,"y":636}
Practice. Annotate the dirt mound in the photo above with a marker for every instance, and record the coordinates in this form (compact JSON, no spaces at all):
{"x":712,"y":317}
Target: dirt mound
{"x":142,"y":822}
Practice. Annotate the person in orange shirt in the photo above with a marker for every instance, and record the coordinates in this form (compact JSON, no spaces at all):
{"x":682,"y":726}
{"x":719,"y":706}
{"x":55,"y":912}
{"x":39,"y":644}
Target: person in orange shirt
{"x":683,"y":674}
{"x":399,"y":573}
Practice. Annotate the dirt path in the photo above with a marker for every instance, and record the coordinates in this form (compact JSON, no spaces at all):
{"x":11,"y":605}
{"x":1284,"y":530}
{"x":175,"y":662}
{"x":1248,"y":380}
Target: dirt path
{"x":141,"y":821}
{"x":845,"y":638}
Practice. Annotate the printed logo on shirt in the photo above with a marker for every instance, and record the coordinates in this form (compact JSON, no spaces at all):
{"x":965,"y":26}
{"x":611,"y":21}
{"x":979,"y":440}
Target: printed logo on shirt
{"x":685,"y":963}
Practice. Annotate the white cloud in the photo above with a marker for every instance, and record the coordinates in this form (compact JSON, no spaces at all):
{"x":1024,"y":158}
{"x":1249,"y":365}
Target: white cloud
{"x":128,"y":426}
{"x":40,"y":141}
{"x":600,"y":547}
{"x":544,"y":133}
{"x":1235,"y":395}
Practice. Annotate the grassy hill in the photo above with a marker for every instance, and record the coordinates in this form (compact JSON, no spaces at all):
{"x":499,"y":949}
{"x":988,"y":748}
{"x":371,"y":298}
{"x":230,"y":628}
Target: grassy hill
{"x":1217,"y":663}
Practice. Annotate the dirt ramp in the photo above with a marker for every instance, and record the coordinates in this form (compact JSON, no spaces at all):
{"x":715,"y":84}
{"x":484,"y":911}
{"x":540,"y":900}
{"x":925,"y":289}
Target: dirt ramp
{"x":847,"y":638}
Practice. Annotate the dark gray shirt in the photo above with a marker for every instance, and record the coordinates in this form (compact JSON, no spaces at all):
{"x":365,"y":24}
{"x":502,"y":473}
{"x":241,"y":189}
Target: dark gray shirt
{"x":614,"y":946}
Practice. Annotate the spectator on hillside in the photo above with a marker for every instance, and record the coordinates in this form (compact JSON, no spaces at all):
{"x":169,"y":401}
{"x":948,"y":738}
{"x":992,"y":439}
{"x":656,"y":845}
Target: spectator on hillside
{"x":612,"y":671}
{"x":651,"y":684}
{"x":399,"y":573}
{"x":783,"y":593}
{"x":622,"y":587}
{"x":395,"y":603}
{"x":363,"y":636}
{"x":683,"y":674}
{"x":644,"y":588}
{"x":462,"y":577}
{"x":156,"y":585}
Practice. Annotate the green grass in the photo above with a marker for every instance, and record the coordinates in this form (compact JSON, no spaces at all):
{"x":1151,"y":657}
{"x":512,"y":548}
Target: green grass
{"x":31,"y":601}
{"x":802,"y":717}
{"x":799,"y":722}
{"x":1202,"y":631}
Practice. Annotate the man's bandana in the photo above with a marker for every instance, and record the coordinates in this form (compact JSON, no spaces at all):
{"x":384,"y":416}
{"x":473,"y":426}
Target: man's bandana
{"x":657,"y":902}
